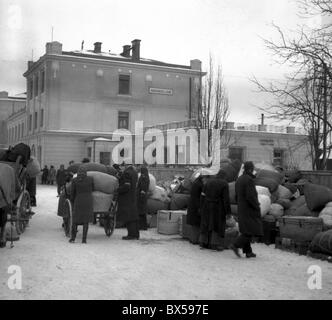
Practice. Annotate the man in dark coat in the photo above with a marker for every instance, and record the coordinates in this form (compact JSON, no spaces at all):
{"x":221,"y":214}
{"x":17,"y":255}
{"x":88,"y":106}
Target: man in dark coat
{"x":61,"y":178}
{"x":193,"y":212}
{"x":249,"y":215}
{"x":142,"y":197}
{"x":127,"y":209}
{"x":81,"y":197}
{"x":44,"y":175}
{"x":216,"y":207}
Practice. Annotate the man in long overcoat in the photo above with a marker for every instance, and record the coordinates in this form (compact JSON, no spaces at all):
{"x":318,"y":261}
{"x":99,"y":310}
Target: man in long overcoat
{"x":216,"y":206}
{"x":81,"y":197}
{"x":194,"y":210}
{"x":249,"y":215}
{"x":127,"y":208}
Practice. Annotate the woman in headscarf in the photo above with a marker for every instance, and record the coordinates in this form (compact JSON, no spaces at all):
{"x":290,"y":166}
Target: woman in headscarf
{"x":215,"y":209}
{"x":142,"y":197}
{"x":81,"y":197}
{"x":127,"y":210}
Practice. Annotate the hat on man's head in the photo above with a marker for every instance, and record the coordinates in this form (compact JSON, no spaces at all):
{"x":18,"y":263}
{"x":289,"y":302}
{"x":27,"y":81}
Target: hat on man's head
{"x":248,"y":166}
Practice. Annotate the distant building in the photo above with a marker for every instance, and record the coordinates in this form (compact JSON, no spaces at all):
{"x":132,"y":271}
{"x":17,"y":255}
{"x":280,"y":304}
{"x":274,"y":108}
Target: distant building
{"x":8,"y":106}
{"x":75,"y":96}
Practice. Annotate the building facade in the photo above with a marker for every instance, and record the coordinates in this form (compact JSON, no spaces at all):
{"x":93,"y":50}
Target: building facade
{"x":73,"y":97}
{"x":8,"y":106}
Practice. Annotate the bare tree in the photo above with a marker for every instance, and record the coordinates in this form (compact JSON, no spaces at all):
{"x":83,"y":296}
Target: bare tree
{"x":305,"y":94}
{"x":213,"y":104}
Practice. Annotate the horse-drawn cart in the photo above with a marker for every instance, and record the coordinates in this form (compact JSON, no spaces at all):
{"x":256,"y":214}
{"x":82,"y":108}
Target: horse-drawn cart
{"x":104,"y":210}
{"x":14,"y":198}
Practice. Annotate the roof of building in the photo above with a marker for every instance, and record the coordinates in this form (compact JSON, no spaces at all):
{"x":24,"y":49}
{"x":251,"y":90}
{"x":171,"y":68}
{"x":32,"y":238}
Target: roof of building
{"x":118,"y":57}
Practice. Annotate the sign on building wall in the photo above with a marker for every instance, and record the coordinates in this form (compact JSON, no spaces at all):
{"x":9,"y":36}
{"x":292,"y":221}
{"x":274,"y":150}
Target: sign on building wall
{"x":161,"y":91}
{"x":266,"y":142}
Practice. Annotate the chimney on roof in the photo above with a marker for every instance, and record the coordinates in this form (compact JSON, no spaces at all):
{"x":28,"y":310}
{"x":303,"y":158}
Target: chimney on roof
{"x":3,"y":94}
{"x":54,"y":47}
{"x":126,"y":51}
{"x":136,"y":49}
{"x":97,"y":48}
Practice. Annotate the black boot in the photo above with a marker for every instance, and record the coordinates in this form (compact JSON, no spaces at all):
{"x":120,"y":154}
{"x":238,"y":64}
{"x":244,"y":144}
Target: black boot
{"x":73,"y":233}
{"x":85,"y":232}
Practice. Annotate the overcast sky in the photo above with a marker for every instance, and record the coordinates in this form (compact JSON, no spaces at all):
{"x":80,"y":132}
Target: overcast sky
{"x":174,"y":31}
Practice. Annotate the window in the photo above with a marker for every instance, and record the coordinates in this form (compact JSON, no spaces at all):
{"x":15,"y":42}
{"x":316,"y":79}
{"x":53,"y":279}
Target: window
{"x":123,"y":120}
{"x":35,"y":120}
{"x":22,"y":129}
{"x":105,"y":158}
{"x":30,"y":122}
{"x":124,"y":84}
{"x":19,"y":132}
{"x":41,"y":118}
{"x":236,"y":153}
{"x":278,"y":157}
{"x":42,"y":81}
{"x":30,"y":88}
{"x":36,"y":85}
{"x":15,"y":134}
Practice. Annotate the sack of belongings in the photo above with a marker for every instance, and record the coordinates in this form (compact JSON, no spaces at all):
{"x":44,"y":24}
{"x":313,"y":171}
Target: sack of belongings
{"x":154,"y":205}
{"x":326,"y":215}
{"x":20,"y":149}
{"x":284,"y":193}
{"x":230,"y":222}
{"x":317,"y":196}
{"x":101,"y":201}
{"x":33,"y":167}
{"x":104,"y":182}
{"x":269,"y":179}
{"x":276,"y":210}
{"x":160,"y":194}
{"x":263,"y":190}
{"x":300,"y":201}
{"x":293,"y":176}
{"x":265,"y":204}
{"x":322,"y":242}
{"x":89,"y":166}
{"x":179,"y":201}
{"x":285,"y":203}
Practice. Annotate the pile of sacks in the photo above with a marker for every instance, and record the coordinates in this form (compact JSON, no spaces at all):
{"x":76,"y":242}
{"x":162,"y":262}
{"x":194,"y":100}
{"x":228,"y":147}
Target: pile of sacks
{"x":290,"y":195}
{"x":170,"y":195}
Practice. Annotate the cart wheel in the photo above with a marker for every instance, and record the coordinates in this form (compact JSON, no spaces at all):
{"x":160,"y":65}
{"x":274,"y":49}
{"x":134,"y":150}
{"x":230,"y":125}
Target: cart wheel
{"x":67,"y":218}
{"x":110,"y":220}
{"x":23,"y":209}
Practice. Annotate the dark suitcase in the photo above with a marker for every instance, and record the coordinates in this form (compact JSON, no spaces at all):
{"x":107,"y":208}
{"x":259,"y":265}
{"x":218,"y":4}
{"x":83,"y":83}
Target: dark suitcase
{"x":299,"y":228}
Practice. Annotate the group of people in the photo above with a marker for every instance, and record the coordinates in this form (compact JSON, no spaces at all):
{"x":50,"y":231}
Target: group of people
{"x":132,"y":196}
{"x":209,"y":207}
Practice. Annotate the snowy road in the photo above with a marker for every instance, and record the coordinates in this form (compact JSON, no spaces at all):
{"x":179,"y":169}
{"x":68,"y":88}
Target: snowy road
{"x":155,"y":267}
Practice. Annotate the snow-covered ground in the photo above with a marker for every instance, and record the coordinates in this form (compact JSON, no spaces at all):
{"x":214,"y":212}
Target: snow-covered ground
{"x":155,"y":267}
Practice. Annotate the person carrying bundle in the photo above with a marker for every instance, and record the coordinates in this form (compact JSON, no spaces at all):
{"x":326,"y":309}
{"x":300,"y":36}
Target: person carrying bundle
{"x":81,"y":197}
